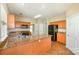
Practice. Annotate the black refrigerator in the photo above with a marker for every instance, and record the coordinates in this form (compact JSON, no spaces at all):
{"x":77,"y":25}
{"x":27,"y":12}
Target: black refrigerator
{"x":52,"y":30}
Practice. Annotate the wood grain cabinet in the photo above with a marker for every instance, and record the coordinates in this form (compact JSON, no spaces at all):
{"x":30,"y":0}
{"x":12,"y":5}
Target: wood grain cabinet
{"x":11,"y":21}
{"x":61,"y":37}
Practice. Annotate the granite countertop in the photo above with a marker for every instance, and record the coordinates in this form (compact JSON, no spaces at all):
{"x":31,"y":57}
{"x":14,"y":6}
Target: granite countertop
{"x":29,"y":40}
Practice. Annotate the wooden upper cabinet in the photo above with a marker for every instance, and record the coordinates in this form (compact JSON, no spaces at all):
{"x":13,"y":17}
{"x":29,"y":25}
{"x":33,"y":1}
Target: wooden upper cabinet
{"x":61,"y":24}
{"x":20,"y":23}
{"x":11,"y":21}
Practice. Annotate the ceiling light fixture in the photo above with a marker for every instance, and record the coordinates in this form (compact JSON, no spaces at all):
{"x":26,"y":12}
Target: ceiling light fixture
{"x":37,"y":16}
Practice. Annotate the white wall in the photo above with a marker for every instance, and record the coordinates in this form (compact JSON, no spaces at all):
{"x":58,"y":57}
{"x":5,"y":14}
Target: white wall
{"x":25,"y":19}
{"x":57,"y":18}
{"x":0,"y":21}
{"x":72,"y":35}
{"x":4,"y":31}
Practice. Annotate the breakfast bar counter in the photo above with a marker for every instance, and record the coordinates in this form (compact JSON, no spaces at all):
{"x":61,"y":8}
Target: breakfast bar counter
{"x":34,"y":46}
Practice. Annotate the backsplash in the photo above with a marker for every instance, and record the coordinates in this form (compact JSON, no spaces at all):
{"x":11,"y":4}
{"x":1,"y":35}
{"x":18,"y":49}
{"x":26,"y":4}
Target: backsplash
{"x":61,"y":30}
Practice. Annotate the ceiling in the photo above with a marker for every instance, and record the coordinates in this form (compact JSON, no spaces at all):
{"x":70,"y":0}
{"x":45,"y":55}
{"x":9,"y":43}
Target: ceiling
{"x":46,"y":10}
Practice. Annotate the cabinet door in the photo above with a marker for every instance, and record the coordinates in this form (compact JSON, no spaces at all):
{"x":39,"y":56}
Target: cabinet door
{"x":73,"y":32}
{"x":61,"y":37}
{"x":11,"y":21}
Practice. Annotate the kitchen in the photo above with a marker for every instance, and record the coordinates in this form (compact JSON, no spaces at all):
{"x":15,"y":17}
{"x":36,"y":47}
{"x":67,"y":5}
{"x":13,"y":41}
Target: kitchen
{"x":30,"y":30}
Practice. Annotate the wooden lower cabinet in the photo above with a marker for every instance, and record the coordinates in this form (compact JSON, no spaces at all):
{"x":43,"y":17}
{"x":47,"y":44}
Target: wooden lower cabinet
{"x":61,"y":37}
{"x":30,"y":48}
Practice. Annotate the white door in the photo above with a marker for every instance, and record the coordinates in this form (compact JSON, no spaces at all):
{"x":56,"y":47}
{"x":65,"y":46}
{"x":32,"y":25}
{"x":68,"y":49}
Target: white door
{"x":41,"y":29}
{"x":35,"y":29}
{"x":72,"y":41}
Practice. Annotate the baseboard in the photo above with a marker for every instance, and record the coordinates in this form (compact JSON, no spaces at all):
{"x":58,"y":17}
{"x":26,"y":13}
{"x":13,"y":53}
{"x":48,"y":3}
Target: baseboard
{"x":3,"y":42}
{"x":61,"y":43}
{"x":74,"y":50}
